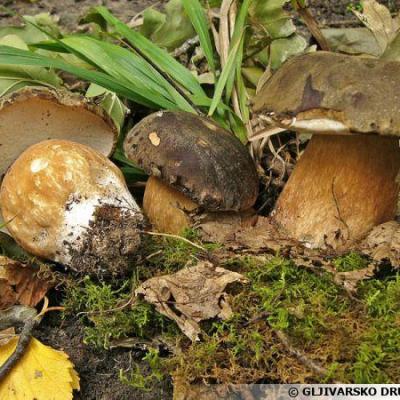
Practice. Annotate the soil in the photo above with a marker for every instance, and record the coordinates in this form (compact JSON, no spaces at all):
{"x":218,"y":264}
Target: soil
{"x":99,"y":369}
{"x":328,"y":12}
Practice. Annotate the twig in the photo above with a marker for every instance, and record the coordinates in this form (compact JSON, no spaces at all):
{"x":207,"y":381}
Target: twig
{"x":23,"y":342}
{"x":299,"y":354}
{"x":175,"y":237}
{"x":336,"y":201}
{"x":312,"y":25}
{"x":184,"y":48}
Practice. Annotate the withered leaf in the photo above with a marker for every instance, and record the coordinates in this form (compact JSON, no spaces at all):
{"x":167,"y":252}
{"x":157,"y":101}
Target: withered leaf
{"x":21,"y":283}
{"x":383,"y":243}
{"x":191,"y":295}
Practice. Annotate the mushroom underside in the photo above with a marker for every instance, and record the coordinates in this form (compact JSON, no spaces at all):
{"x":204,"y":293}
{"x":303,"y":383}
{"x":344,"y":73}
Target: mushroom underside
{"x":33,"y":116}
{"x":341,"y":188}
{"x":170,"y":211}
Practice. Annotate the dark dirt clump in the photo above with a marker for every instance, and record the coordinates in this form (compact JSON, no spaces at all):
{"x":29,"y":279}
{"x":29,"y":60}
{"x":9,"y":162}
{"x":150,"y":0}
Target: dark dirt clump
{"x":111,"y":239}
{"x":98,"y":369}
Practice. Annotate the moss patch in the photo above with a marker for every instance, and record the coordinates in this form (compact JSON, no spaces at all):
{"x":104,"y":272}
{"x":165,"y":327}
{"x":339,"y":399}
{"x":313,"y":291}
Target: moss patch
{"x":354,"y":340}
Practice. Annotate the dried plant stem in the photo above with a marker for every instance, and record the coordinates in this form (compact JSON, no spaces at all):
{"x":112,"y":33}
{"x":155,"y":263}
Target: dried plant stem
{"x":312,"y":25}
{"x":176,"y":237}
{"x":23,"y":342}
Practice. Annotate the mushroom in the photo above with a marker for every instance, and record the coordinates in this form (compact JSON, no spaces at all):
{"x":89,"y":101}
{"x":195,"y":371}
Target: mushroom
{"x":195,"y":167}
{"x":66,"y":202}
{"x":346,"y":182}
{"x":34,"y":114}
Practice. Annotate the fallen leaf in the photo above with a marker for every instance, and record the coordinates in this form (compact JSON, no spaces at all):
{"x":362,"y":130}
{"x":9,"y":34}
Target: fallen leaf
{"x":353,"y":41}
{"x":21,"y":283}
{"x":42,"y":373}
{"x":350,"y":279}
{"x":383,"y":243}
{"x":377,"y":18}
{"x":6,"y":335}
{"x":191,"y":295}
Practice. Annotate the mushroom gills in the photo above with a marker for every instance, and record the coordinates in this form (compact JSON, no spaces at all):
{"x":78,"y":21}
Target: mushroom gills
{"x":341,"y":188}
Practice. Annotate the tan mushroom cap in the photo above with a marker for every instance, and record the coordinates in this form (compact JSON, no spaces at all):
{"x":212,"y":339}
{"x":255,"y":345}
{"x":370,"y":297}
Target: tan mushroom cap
{"x":54,"y":195}
{"x":361,"y":94}
{"x":34,"y":114}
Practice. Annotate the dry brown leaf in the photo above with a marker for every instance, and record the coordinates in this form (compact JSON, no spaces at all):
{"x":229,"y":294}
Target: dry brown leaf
{"x":383,"y":243}
{"x":21,"y":284}
{"x":6,"y":335}
{"x":251,"y":233}
{"x":191,"y":295}
{"x":377,"y":18}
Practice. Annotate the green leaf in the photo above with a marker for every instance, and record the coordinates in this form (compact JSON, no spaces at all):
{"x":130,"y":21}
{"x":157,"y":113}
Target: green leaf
{"x":13,"y":56}
{"x":227,"y":71}
{"x":199,"y":20}
{"x":110,"y":102}
{"x":271,"y":17}
{"x":17,"y":76}
{"x":169,"y":30}
{"x":158,"y":57}
{"x":283,"y":49}
{"x":31,"y":34}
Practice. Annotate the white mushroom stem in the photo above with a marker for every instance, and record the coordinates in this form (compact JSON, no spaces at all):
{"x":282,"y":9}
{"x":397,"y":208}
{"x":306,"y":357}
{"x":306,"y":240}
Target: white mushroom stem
{"x":341,"y":188}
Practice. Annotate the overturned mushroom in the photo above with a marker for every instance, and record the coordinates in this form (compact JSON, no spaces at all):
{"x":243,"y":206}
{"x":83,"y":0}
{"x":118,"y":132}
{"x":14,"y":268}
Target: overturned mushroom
{"x":195,"y":166}
{"x":345,"y":183}
{"x":32,"y":115}
{"x":65,"y":202}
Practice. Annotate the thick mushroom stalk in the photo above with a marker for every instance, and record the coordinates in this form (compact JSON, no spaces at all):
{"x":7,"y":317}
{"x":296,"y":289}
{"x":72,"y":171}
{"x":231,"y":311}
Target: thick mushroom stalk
{"x":346,"y":181}
{"x":65,"y":202}
{"x":195,"y":166}
{"x":341,"y":188}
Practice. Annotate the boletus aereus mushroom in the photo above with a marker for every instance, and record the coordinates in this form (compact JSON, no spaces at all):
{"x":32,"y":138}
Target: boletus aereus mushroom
{"x":194,"y":166}
{"x":66,"y":202}
{"x":345,"y":183}
{"x":34,"y":114}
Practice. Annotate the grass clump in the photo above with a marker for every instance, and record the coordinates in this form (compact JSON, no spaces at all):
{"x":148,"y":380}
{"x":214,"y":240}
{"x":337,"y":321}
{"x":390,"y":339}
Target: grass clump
{"x":350,"y":262}
{"x":101,"y":307}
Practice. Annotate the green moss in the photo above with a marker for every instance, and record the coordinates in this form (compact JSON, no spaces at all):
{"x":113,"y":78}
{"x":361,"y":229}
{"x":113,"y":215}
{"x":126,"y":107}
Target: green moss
{"x":109,"y":314}
{"x":350,"y":262}
{"x":144,"y":380}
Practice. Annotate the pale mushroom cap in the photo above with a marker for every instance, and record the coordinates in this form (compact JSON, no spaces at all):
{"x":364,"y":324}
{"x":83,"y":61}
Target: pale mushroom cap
{"x":34,"y":114}
{"x":50,"y":194}
{"x":340,"y":93}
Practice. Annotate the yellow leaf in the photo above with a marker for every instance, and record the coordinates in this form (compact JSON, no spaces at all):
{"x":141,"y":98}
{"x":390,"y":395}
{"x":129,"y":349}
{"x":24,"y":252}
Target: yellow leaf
{"x":41,"y":374}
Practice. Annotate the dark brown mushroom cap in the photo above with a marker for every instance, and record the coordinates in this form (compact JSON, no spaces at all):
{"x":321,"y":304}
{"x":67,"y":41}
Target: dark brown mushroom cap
{"x":196,"y":157}
{"x":361,"y":93}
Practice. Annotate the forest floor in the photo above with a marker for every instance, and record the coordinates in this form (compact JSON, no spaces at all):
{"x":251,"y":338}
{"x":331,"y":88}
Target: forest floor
{"x":99,"y":369}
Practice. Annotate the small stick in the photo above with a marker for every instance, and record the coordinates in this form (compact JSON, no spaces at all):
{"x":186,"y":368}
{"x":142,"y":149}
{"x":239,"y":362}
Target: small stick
{"x":312,"y":25}
{"x":23,"y":342}
{"x":300,"y":355}
{"x":184,"y":48}
{"x":176,"y":237}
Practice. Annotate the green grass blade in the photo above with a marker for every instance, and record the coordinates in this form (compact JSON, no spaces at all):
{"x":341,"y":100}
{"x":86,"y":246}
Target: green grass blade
{"x":227,"y":71}
{"x":159,"y":57}
{"x":238,"y":32}
{"x":199,"y":21}
{"x":130,"y":69}
{"x":14,"y":56}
